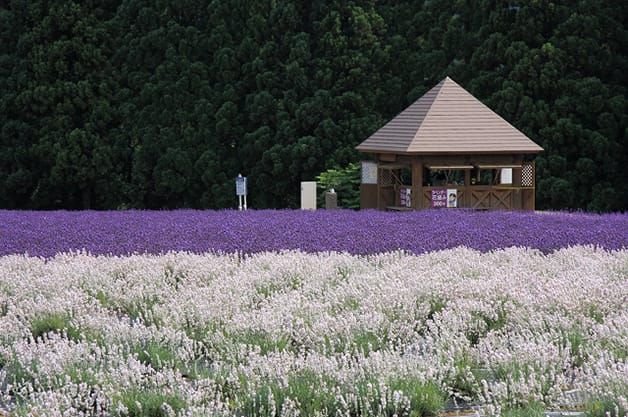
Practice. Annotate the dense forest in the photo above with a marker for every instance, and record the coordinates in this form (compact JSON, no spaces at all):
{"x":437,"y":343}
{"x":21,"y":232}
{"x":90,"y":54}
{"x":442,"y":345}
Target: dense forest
{"x":110,"y":104}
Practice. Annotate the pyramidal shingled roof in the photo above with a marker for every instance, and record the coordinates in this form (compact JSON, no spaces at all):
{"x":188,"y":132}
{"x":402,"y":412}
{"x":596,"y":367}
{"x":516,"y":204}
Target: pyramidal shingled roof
{"x":448,"y":119}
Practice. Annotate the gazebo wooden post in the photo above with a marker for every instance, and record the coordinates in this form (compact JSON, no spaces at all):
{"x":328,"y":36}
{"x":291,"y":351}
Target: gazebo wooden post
{"x":533,"y":185}
{"x":379,"y":187}
{"x":467,"y":188}
{"x":517,"y":197}
{"x":417,"y":185}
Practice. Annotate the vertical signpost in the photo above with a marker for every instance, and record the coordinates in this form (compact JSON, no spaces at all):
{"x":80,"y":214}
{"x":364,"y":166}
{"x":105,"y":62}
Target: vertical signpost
{"x":241,"y":191}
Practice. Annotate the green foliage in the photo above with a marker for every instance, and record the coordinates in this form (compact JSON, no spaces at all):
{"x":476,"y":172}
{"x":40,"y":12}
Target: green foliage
{"x":267,"y":290}
{"x":311,"y":391}
{"x":104,"y":300}
{"x":436,"y":306}
{"x":518,"y":371}
{"x":199,"y":369}
{"x":425,"y":399}
{"x":131,"y":104}
{"x":136,"y":310}
{"x":594,"y":312}
{"x":54,"y":322}
{"x":140,"y":310}
{"x":19,"y":373}
{"x":77,"y":373}
{"x":467,"y":375}
{"x":156,"y":355}
{"x":199,"y":331}
{"x":262,"y":340}
{"x":576,"y":341}
{"x":362,"y":342}
{"x":486,"y":324}
{"x":512,"y":370}
{"x":369,"y":341}
{"x":81,"y":374}
{"x":604,"y":407}
{"x":531,"y":410}
{"x":315,"y":395}
{"x":146,"y":403}
{"x":616,"y":348}
{"x":351,"y":304}
{"x":345,"y":182}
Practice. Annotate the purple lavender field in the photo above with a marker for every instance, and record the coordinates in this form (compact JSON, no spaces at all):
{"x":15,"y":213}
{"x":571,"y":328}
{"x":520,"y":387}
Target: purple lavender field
{"x":357,"y":232}
{"x":312,"y":334}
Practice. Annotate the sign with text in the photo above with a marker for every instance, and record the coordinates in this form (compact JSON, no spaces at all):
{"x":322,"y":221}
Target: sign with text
{"x":439,"y":198}
{"x":241,"y":185}
{"x":405,"y":197}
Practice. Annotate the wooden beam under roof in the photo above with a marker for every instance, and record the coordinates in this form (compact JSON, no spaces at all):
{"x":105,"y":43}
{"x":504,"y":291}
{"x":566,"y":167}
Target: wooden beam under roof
{"x":434,"y":167}
{"x":497,"y":166}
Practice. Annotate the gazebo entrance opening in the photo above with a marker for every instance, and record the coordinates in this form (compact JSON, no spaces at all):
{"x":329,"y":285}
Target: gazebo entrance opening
{"x":395,"y":186}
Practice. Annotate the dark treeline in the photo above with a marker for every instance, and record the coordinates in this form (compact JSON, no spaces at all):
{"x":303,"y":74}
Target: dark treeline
{"x":160,"y":104}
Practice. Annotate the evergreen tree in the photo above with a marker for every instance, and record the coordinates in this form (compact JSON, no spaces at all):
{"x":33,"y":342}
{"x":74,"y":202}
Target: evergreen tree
{"x":160,"y":104}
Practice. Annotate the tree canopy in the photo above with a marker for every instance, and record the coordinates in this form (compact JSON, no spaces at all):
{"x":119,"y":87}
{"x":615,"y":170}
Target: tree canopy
{"x":160,"y":104}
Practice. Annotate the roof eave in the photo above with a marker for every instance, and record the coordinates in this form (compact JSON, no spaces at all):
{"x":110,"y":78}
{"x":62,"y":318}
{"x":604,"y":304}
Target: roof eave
{"x":449,"y":153}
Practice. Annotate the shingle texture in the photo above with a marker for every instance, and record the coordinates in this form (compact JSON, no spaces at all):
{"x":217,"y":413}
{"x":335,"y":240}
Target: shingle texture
{"x":448,"y":119}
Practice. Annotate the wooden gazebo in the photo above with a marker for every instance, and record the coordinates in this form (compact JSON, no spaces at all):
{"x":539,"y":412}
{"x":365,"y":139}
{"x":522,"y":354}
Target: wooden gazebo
{"x":447,"y":149}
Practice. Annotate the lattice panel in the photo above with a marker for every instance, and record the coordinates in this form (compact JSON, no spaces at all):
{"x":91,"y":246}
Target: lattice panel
{"x":527,"y":175}
{"x":369,"y":172}
{"x":386,"y":177}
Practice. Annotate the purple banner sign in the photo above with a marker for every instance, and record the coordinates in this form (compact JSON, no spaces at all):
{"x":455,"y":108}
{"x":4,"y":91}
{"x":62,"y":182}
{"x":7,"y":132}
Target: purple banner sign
{"x":439,"y":198}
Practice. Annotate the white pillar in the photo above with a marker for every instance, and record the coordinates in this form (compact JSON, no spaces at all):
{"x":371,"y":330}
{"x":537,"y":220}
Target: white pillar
{"x":308,"y":195}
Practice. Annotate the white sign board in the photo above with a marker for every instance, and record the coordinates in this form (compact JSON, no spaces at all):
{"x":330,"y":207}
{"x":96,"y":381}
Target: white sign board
{"x":308,"y":195}
{"x":452,"y":198}
{"x":369,"y":172}
{"x":506,"y":176}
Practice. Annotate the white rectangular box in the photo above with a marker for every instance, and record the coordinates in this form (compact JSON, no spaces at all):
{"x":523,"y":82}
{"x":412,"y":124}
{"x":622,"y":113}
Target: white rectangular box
{"x":506,"y":176}
{"x":308,"y":195}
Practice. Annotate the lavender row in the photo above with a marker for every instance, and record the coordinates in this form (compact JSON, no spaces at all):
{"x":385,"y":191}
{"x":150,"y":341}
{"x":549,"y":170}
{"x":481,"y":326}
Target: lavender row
{"x":356,"y":232}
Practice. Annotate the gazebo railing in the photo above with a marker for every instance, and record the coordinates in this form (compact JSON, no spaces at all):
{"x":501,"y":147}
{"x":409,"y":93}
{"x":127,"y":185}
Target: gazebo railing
{"x":487,"y":197}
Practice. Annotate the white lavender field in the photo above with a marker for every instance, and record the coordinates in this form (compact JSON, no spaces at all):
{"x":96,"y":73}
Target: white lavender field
{"x":512,"y":332}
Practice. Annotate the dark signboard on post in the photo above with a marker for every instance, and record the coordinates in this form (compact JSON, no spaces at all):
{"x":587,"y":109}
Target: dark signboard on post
{"x":241,"y":185}
{"x":241,"y":191}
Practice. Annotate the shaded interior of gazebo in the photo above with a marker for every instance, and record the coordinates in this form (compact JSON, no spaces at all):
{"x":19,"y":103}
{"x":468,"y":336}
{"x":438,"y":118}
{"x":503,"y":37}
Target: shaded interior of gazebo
{"x":448,"y":149}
